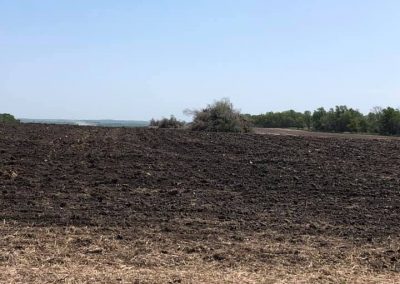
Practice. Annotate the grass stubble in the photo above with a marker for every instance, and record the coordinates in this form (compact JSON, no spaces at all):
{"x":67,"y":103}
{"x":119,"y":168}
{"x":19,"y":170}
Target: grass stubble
{"x":69,"y":254}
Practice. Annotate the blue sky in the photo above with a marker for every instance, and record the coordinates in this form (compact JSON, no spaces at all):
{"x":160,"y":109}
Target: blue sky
{"x":127,"y":59}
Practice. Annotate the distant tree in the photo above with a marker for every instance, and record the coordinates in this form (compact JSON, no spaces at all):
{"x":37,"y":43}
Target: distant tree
{"x":219,"y":117}
{"x":358,"y":123}
{"x":373,"y":118}
{"x":389,"y":121}
{"x":318,"y":119}
{"x":8,"y":118}
{"x":339,"y":119}
{"x":285,"y":119}
{"x":307,"y":119}
{"x":348,"y":120}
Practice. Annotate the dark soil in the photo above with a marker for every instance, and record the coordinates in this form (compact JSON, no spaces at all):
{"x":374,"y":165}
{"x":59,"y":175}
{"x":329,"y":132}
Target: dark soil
{"x":199,"y":186}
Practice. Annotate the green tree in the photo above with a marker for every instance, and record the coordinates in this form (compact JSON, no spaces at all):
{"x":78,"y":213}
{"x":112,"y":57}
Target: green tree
{"x":307,"y":119}
{"x":8,"y":118}
{"x":372,"y":119}
{"x":318,"y":119}
{"x":389,"y":121}
{"x":285,"y":119}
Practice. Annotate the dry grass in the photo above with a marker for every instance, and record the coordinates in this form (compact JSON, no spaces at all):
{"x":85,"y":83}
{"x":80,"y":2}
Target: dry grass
{"x":306,"y":133}
{"x":99,"y":255}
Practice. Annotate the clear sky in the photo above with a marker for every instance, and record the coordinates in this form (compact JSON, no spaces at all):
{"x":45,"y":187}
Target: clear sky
{"x":128,"y":59}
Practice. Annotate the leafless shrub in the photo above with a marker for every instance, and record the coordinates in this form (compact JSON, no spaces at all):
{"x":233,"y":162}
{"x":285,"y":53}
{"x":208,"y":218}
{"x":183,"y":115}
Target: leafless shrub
{"x":219,"y":117}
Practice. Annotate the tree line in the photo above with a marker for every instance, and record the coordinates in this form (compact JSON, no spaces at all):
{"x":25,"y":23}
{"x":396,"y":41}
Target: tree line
{"x":221,"y":116}
{"x":385,"y":121}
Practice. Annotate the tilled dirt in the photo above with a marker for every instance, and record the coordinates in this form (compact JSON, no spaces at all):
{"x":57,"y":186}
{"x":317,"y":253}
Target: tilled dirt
{"x":207,"y":189}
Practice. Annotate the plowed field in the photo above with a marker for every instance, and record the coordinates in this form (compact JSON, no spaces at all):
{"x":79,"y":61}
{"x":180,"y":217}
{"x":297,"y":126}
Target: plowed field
{"x":115,"y":205}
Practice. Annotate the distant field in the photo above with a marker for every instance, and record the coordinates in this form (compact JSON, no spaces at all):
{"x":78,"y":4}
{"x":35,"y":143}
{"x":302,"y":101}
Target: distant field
{"x":104,"y":122}
{"x":136,"y":205}
{"x":295,"y":132}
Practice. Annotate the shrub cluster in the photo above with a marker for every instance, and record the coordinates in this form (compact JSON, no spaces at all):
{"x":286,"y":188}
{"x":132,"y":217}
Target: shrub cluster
{"x":219,"y":117}
{"x":171,"y":122}
{"x":8,"y":118}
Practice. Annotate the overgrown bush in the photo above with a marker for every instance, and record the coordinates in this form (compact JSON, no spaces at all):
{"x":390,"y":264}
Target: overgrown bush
{"x":171,"y":122}
{"x":7,"y":118}
{"x":219,"y":117}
